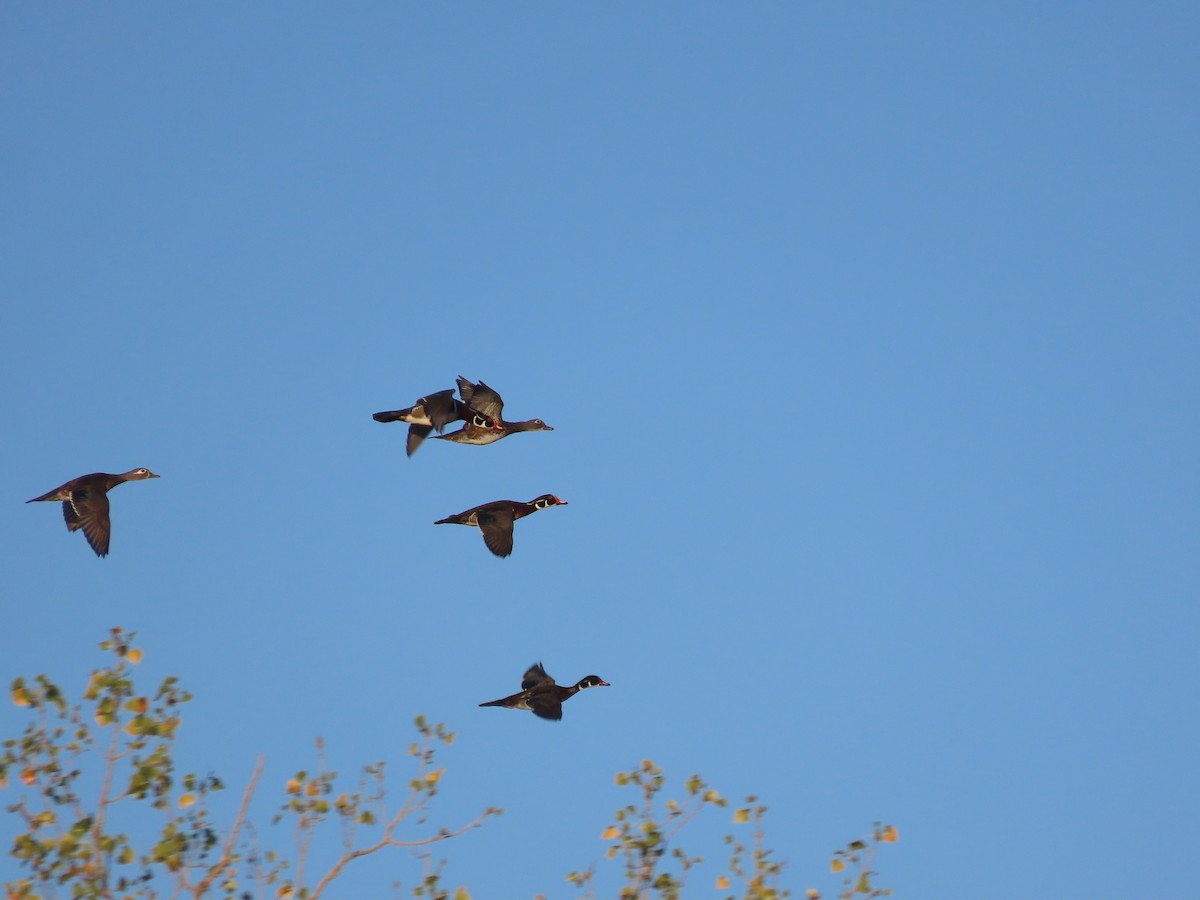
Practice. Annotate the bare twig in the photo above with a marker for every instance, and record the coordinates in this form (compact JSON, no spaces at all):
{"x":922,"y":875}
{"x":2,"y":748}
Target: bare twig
{"x":227,"y":854}
{"x":110,"y":765}
{"x":388,"y":841}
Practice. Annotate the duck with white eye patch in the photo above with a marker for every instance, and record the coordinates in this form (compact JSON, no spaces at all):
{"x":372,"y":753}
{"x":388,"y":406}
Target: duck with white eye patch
{"x":541,"y":696}
{"x":482,"y":398}
{"x":496,"y":519}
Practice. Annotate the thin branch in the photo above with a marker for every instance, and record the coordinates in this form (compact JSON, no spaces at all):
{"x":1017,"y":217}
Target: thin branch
{"x":231,"y":843}
{"x":306,"y":823}
{"x":388,"y":841}
{"x":110,"y":765}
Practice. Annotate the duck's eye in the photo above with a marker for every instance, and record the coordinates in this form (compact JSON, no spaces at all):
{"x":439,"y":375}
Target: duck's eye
{"x":143,"y":471}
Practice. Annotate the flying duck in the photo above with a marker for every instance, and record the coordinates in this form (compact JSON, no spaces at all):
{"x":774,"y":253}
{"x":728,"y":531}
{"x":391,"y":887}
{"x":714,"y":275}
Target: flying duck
{"x":483,"y":399}
{"x":435,"y":411}
{"x":496,"y":519}
{"x":542,"y":696}
{"x":85,"y":504}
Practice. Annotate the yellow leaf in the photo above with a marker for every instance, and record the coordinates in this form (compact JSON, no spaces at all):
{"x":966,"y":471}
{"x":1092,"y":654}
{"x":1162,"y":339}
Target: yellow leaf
{"x":284,"y":893}
{"x":722,"y":882}
{"x":434,"y":777}
{"x":134,"y":656}
{"x":740,"y":816}
{"x":609,"y":833}
{"x":313,"y":789}
{"x":186,"y":800}
{"x":29,"y":777}
{"x":890,"y":835}
{"x":836,"y":865}
{"x":293,"y":786}
{"x":20,"y":696}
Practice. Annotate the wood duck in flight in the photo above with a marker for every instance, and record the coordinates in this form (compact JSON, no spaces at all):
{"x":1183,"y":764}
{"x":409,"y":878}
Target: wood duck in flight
{"x":85,"y":504}
{"x":484,"y":400}
{"x":436,"y":411}
{"x":542,"y":696}
{"x":496,"y":519}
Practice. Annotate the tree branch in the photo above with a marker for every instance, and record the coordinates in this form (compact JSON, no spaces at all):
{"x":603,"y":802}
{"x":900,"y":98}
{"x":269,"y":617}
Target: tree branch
{"x":388,"y":841}
{"x":231,"y":843}
{"x":110,"y":765}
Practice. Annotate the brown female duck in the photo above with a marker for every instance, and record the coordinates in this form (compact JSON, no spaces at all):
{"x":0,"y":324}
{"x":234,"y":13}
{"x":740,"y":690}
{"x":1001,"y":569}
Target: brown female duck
{"x":484,"y":400}
{"x":85,"y":504}
{"x":435,"y":411}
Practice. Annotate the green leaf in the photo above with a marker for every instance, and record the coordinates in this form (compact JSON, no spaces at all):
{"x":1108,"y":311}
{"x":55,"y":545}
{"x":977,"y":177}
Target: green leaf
{"x":82,"y":826}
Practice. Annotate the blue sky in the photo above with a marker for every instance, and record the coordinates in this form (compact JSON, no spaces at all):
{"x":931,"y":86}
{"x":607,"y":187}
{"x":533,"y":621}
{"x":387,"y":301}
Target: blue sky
{"x":868,"y":332}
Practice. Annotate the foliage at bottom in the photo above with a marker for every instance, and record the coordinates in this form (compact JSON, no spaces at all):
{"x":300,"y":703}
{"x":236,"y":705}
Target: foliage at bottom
{"x":75,"y":764}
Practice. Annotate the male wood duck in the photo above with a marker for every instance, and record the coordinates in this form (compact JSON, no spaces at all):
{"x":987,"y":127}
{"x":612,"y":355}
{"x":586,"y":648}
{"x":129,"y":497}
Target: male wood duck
{"x":435,"y":411}
{"x":483,"y":399}
{"x":542,"y":696}
{"x":85,"y":504}
{"x":496,"y":519}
